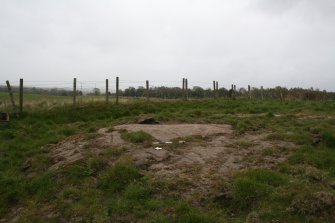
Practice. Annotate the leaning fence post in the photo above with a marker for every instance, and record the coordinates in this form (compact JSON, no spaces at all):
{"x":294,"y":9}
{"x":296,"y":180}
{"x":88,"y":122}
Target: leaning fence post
{"x":74,"y":92}
{"x":117,"y":90}
{"x":147,"y":87}
{"x":107,"y":92}
{"x":11,"y":95}
{"x":21,"y":96}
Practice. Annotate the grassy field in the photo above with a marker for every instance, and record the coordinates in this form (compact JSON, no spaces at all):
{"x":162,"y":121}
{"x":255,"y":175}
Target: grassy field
{"x":300,"y":189}
{"x":31,"y":101}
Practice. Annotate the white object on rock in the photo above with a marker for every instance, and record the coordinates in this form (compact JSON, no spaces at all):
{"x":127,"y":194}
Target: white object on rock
{"x":181,"y":142}
{"x":168,"y":142}
{"x":158,"y":148}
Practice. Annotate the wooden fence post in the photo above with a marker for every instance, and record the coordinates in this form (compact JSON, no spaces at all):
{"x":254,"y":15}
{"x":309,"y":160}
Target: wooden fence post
{"x":235,"y":92}
{"x":186,"y":87}
{"x":107,"y":92}
{"x":147,"y":87}
{"x":21,"y":96}
{"x":249,"y":91}
{"x":117,"y":90}
{"x":217,"y":89}
{"x":232,"y":91}
{"x":262,"y":96}
{"x":281,"y":95}
{"x":183,"y":89}
{"x":11,"y":95}
{"x":214,"y":90}
{"x":74,"y":92}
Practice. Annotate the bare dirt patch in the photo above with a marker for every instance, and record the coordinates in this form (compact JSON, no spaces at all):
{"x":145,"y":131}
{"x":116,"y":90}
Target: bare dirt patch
{"x":166,"y":133}
{"x":195,"y":153}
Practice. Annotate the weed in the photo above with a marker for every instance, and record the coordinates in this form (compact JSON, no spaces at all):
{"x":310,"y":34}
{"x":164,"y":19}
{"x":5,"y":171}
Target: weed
{"x":314,"y":204}
{"x":136,"y":192}
{"x":77,"y":173}
{"x":68,"y":131}
{"x":243,"y":126}
{"x":92,"y":129}
{"x":116,"y":152}
{"x":268,"y":152}
{"x":91,"y":136}
{"x":12,"y":188}
{"x":118,"y":177}
{"x":42,"y":185}
{"x":247,"y":193}
{"x":268,"y":177}
{"x":136,"y":137}
{"x":97,"y":163}
{"x":323,"y":158}
{"x":329,"y":139}
{"x":250,"y":188}
{"x":276,"y":136}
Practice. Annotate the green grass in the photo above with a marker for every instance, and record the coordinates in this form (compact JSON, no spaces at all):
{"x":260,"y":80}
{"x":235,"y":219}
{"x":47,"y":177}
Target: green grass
{"x":116,"y":178}
{"x":97,"y":191}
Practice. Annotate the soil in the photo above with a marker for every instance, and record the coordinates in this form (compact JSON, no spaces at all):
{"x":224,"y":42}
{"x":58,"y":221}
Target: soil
{"x":166,"y":133}
{"x":195,"y":154}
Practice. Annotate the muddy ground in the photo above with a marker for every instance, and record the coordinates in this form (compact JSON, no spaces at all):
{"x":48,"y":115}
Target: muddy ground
{"x":194,"y":156}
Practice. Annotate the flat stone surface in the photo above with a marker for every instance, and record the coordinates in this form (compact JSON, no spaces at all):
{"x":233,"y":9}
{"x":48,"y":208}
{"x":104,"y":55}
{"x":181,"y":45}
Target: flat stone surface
{"x":166,"y":133}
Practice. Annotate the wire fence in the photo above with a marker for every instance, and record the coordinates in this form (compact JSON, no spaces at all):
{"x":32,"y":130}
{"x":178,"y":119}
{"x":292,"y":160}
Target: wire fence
{"x":53,"y":93}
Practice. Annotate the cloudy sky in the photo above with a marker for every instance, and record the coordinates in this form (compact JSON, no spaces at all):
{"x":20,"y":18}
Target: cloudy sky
{"x":258,"y":42}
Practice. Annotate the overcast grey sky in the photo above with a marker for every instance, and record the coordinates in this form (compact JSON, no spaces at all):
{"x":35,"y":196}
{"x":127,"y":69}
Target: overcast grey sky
{"x":259,"y":42}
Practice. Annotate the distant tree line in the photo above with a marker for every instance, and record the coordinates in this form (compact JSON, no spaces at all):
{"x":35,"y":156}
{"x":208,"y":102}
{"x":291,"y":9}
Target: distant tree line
{"x":196,"y":92}
{"x":44,"y":91}
{"x":199,"y":92}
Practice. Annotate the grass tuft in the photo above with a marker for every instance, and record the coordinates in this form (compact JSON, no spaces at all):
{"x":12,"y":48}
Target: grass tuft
{"x":329,"y":139}
{"x":137,"y":137}
{"x":119,"y":176}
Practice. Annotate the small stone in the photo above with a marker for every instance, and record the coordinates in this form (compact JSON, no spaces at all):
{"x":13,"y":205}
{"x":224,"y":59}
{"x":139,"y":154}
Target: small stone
{"x":316,"y":140}
{"x":26,"y":165}
{"x":142,"y":163}
{"x":59,"y":159}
